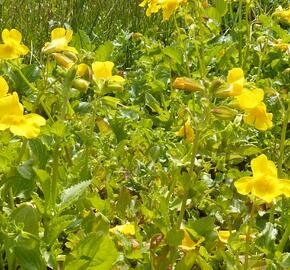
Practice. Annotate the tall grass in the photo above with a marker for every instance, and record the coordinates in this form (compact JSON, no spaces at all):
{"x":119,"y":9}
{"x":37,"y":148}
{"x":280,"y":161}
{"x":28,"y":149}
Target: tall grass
{"x":100,"y":19}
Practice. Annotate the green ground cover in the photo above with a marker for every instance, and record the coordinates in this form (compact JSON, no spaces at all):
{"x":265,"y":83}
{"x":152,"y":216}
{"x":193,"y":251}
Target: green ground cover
{"x":144,"y":135}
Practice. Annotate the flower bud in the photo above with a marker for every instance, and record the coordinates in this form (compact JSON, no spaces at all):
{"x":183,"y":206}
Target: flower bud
{"x":136,"y":36}
{"x":71,"y":55}
{"x":187,"y":84}
{"x":63,"y":60}
{"x":115,"y":86}
{"x":81,"y":84}
{"x":224,"y":112}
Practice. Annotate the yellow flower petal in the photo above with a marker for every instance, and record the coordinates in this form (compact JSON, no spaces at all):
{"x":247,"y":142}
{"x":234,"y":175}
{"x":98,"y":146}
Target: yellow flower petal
{"x":235,"y":75}
{"x":9,"y":105}
{"x":15,"y":35}
{"x":57,"y":33}
{"x":24,"y":125}
{"x":250,"y":99}
{"x":284,"y":185}
{"x":266,"y":188}
{"x":60,"y":38}
{"x":102,"y":69}
{"x":258,"y":117}
{"x":12,"y":48}
{"x":117,"y":78}
{"x":244,"y":185}
{"x":261,"y":165}
{"x":127,"y":229}
{"x":3,"y":87}
{"x":186,"y":131}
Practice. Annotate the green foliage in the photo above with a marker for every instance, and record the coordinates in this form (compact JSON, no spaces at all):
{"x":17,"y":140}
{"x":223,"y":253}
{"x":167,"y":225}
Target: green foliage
{"x":140,"y":174}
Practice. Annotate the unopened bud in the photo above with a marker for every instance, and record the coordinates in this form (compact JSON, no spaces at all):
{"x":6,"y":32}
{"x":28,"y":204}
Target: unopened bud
{"x":188,"y":84}
{"x":224,"y":112}
{"x":71,"y":55}
{"x":63,"y":60}
{"x":81,"y":84}
{"x":136,"y":36}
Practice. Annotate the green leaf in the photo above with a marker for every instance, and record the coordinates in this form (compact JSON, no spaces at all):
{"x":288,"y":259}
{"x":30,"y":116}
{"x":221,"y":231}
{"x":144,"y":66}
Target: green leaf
{"x":203,"y":225}
{"x":174,"y":237}
{"x":285,"y":260}
{"x":221,"y":6}
{"x":28,"y":255}
{"x":81,"y":41}
{"x":96,"y":251}
{"x":104,"y":52}
{"x":174,"y":54}
{"x":72,"y":194}
{"x":38,"y":152}
{"x":27,"y":215}
{"x":31,"y":73}
{"x":152,"y":103}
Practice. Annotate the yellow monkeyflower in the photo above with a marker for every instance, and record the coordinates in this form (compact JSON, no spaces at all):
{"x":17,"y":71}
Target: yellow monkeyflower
{"x":3,"y":87}
{"x":283,"y":15}
{"x":250,"y":99}
{"x":258,"y":117}
{"x":187,"y":241}
{"x":127,"y":229}
{"x":12,"y":117}
{"x":264,"y":183}
{"x":168,"y":7}
{"x":186,"y":131}
{"x":12,"y":47}
{"x":60,"y":38}
{"x":236,"y":80}
{"x":103,"y":70}
{"x":153,"y":6}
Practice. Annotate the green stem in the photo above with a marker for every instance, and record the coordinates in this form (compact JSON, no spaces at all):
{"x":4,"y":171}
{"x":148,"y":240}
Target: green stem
{"x":285,"y":238}
{"x":240,"y":35}
{"x":283,"y":138}
{"x":54,"y":178}
{"x":18,"y":160}
{"x":248,"y":236}
{"x":248,"y":36}
{"x":202,"y":68}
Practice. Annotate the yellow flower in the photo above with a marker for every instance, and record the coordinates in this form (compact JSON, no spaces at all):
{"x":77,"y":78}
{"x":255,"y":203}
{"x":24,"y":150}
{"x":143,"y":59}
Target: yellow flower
{"x":187,"y":242}
{"x":250,"y":99}
{"x":3,"y":87}
{"x":236,"y":80}
{"x":127,"y":229}
{"x":258,"y":117}
{"x":27,"y":125}
{"x":264,"y":183}
{"x":168,"y":7}
{"x":284,"y":15}
{"x":60,"y":38}
{"x":12,"y":47}
{"x":103,"y":70}
{"x":186,"y":131}
{"x":12,"y":117}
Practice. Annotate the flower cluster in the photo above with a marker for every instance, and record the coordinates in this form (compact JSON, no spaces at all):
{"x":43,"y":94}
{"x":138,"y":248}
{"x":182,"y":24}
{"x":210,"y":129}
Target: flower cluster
{"x":264,"y":183}
{"x":167,"y":6}
{"x":12,"y":115}
{"x":250,"y":101}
